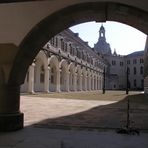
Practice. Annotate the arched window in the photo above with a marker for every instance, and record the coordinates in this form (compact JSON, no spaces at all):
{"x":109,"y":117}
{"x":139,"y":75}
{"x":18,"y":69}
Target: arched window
{"x":128,"y":70}
{"x":65,"y":47}
{"x":74,"y":51}
{"x":42,"y":74}
{"x":62,"y":44}
{"x":71,"y":49}
{"x":52,"y":75}
{"x":56,"y":42}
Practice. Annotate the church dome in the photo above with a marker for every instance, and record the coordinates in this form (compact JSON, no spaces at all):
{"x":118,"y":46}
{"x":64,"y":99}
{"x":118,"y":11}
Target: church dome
{"x":102,"y":46}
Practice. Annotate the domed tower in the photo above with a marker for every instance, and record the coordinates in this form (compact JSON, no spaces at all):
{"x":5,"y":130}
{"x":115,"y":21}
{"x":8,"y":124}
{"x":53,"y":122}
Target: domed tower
{"x":102,"y":46}
{"x":102,"y":33}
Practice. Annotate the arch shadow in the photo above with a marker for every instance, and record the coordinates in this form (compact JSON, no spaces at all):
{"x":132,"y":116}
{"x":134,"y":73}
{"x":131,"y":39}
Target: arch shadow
{"x":111,"y":116}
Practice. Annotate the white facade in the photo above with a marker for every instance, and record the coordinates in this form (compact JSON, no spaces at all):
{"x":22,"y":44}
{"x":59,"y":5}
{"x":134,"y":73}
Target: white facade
{"x":66,"y":63}
{"x":135,"y":64}
{"x":117,"y":71}
{"x":117,"y":65}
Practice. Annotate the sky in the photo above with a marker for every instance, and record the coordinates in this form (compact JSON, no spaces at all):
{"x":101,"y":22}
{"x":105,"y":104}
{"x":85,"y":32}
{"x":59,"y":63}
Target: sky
{"x":123,"y":38}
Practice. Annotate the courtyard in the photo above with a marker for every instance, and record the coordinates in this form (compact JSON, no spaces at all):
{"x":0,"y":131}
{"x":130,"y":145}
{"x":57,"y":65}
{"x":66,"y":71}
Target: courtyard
{"x":80,"y":120}
{"x":86,"y":110}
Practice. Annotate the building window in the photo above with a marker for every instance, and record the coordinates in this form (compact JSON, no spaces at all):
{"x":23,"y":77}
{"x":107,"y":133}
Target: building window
{"x":141,"y":70}
{"x":128,"y":62}
{"x":141,"y":61}
{"x":121,"y":63}
{"x":70,"y":48}
{"x":56,"y":43}
{"x":128,"y":70}
{"x":52,"y":75}
{"x":52,"y":41}
{"x":91,"y":61}
{"x":142,"y":83}
{"x":83,"y":56}
{"x":61,"y":77}
{"x":113,"y":62}
{"x":65,"y":47}
{"x":135,"y":61}
{"x":42,"y":74}
{"x":135,"y":83}
{"x":135,"y":70}
{"x":62,"y":44}
{"x":78,"y":53}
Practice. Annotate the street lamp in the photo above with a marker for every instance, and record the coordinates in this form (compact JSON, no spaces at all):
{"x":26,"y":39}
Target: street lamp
{"x":127,"y":80}
{"x":104,"y":81}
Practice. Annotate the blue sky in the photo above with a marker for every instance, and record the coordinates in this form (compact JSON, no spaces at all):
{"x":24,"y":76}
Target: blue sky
{"x":125,"y":39}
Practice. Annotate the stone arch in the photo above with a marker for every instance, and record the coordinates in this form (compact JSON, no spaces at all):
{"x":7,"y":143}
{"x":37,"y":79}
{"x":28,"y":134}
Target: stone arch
{"x":72,"y":80}
{"x":84,"y":79}
{"x":95,"y":81}
{"x":78,"y":78}
{"x":63,"y":75}
{"x":44,"y":58}
{"x":71,"y":67}
{"x":69,"y":16}
{"x":41,"y":64}
{"x":54,"y":74}
{"x":54,"y":60}
{"x":88,"y":79}
{"x":92,"y":80}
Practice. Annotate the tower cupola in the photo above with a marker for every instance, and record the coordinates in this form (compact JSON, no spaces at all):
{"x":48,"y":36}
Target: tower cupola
{"x":102,"y":32}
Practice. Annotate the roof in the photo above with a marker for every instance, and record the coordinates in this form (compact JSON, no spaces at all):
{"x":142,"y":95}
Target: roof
{"x":137,"y":53}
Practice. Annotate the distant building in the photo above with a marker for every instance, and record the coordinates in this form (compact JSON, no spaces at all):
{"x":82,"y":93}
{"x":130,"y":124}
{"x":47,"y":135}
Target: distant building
{"x":117,"y":66}
{"x":67,"y":63}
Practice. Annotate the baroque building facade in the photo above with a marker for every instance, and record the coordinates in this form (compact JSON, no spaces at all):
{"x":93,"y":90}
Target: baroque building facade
{"x":66,"y":63}
{"x":117,"y":65}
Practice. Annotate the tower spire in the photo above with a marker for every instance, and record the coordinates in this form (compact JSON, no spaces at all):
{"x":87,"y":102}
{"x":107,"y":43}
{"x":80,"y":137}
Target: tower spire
{"x":115,"y":53}
{"x":102,"y":32}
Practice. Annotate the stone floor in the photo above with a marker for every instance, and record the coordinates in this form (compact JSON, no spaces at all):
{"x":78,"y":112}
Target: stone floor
{"x":31,"y":137}
{"x":70,"y":123}
{"x":71,"y":113}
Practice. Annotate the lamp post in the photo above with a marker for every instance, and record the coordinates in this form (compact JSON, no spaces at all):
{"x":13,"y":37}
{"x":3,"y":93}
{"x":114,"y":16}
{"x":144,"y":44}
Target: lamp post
{"x":104,"y":81}
{"x":127,"y":81}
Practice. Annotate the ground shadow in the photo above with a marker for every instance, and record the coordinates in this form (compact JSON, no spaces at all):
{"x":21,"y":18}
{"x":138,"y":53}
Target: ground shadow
{"x":112,"y":116}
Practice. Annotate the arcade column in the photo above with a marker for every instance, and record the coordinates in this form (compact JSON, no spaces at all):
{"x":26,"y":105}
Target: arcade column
{"x":10,"y":116}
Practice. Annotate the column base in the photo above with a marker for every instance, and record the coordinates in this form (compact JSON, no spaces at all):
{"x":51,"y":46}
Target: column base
{"x":11,"y":122}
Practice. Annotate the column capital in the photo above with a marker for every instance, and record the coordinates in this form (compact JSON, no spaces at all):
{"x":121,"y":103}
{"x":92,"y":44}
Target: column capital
{"x":33,"y":64}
